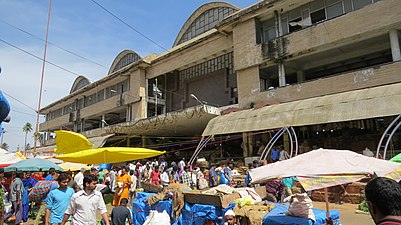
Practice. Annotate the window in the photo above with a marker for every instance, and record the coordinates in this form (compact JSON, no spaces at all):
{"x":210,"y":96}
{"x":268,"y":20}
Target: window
{"x":361,"y":3}
{"x":318,"y":16}
{"x":334,"y":10}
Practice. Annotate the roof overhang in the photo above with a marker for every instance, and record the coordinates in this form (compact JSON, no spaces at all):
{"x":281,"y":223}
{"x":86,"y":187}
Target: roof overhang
{"x":353,"y":105}
{"x":188,"y":122}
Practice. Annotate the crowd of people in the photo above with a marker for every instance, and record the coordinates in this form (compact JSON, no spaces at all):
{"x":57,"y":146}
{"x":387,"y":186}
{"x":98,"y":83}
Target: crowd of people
{"x":78,"y":196}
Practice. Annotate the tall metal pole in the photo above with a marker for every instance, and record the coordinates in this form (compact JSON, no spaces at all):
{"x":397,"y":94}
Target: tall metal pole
{"x":41,"y":80}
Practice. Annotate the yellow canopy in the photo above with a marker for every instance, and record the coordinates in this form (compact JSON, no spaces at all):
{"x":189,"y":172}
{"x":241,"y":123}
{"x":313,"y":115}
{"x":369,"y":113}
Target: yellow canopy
{"x":109,"y":155}
{"x":69,"y":142}
{"x":73,"y":166}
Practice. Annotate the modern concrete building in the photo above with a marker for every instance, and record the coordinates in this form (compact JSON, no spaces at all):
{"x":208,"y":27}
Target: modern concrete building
{"x":327,"y":68}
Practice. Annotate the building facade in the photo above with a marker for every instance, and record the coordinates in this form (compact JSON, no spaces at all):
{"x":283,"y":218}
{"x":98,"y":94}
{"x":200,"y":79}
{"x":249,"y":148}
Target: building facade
{"x":328,"y":68}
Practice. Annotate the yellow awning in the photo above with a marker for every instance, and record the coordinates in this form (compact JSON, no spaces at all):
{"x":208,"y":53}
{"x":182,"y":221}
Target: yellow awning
{"x":68,"y":142}
{"x":353,"y":105}
{"x":109,"y":155}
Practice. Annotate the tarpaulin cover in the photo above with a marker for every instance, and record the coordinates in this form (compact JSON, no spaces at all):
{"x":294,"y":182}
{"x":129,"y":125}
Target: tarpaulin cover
{"x":196,"y":214}
{"x":277,"y":217}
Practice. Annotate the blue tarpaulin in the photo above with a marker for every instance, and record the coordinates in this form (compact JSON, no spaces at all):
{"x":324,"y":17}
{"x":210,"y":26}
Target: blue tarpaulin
{"x":196,"y":214}
{"x":277,"y":217}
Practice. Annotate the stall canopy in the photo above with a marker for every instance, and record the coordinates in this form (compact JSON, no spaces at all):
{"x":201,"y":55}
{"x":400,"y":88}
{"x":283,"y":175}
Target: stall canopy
{"x":396,"y":158}
{"x":7,"y":159}
{"x":34,"y":164}
{"x":326,"y":167}
{"x":68,"y":142}
{"x":354,"y":105}
{"x":109,"y":155}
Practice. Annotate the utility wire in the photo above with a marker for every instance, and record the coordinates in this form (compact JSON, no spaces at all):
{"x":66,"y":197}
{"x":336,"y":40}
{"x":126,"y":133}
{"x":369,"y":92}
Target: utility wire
{"x":132,"y":28}
{"x":33,"y":55}
{"x":57,"y":46}
{"x":12,"y":110}
{"x":23,"y":103}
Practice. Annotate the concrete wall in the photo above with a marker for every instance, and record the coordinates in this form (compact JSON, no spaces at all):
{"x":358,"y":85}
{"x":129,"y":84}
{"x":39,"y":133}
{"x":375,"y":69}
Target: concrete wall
{"x":248,"y":85}
{"x":369,"y":21}
{"x":137,"y":94}
{"x":54,"y":123}
{"x":365,"y":78}
{"x":246,"y":52}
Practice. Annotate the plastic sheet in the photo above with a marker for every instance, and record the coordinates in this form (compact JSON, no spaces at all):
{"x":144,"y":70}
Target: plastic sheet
{"x":277,"y":217}
{"x":196,"y":214}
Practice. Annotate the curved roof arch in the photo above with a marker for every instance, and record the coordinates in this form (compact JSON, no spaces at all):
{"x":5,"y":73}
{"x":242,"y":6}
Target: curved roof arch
{"x":123,"y":59}
{"x":79,"y":83}
{"x":203,"y":19}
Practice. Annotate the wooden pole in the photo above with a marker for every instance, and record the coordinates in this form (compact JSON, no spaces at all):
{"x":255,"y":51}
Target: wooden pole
{"x":326,"y":199}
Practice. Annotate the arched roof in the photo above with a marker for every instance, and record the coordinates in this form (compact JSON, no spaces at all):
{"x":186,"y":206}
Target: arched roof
{"x":79,"y":83}
{"x":204,"y":19}
{"x":123,"y":59}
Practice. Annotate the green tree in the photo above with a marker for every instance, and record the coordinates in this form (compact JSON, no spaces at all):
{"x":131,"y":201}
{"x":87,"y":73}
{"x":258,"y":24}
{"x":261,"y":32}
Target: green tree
{"x":27,"y":129}
{"x":40,"y":138}
{"x":5,"y":146}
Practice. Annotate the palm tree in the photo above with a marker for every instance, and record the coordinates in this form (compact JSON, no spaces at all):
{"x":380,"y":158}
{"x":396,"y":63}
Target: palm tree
{"x":27,"y":129}
{"x":40,"y":138}
{"x":5,"y":146}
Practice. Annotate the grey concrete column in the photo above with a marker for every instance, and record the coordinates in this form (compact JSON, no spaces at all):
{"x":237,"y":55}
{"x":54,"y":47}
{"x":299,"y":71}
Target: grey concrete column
{"x":281,"y":74}
{"x":103,"y":117}
{"x":128,"y":114}
{"x":395,"y":45}
{"x":300,"y":76}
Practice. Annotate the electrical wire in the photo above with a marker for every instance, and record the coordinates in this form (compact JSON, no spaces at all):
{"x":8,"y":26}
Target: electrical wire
{"x":20,"y":102}
{"x":35,"y":56}
{"x":50,"y":43}
{"x":131,"y":27}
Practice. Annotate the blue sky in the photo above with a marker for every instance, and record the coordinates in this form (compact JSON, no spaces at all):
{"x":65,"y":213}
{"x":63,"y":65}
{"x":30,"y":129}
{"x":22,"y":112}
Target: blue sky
{"x":84,"y":28}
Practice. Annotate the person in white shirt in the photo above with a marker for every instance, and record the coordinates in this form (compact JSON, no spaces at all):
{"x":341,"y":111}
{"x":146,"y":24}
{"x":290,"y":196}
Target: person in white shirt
{"x":84,"y":203}
{"x":79,"y":178}
{"x":181,"y":164}
{"x":165,"y":178}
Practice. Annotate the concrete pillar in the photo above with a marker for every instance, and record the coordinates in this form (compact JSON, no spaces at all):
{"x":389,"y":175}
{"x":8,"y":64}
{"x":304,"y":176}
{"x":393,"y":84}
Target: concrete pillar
{"x":143,"y":141}
{"x":286,"y":141}
{"x":244,"y":144}
{"x":103,"y":117}
{"x":281,"y":74}
{"x":128,"y":117}
{"x":395,"y":45}
{"x":300,"y":76}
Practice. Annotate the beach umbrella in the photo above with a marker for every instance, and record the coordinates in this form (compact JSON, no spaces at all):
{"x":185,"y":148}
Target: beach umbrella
{"x":396,"y":158}
{"x":73,"y":166}
{"x":109,"y":155}
{"x":323,"y":168}
{"x":34,"y":164}
{"x":69,"y":142}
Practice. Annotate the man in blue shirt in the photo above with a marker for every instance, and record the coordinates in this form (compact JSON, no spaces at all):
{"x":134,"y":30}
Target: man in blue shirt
{"x":52,"y":174}
{"x":57,"y":201}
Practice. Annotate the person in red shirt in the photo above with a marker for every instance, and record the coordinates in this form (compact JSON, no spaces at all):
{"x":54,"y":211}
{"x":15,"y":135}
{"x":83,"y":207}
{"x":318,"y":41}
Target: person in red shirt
{"x":155,"y":176}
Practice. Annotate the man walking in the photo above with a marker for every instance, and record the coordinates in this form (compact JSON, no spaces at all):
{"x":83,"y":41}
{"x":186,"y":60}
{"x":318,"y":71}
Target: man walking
{"x":79,"y":178}
{"x":120,"y":214}
{"x":58,"y":200}
{"x":84,"y":203}
{"x":16,"y":189}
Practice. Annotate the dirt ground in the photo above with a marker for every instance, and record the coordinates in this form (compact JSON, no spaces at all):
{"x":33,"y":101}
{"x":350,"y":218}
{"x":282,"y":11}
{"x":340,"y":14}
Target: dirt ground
{"x":347,"y":214}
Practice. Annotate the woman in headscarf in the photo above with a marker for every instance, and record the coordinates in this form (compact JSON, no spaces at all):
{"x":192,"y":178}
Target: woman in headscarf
{"x":28,"y":183}
{"x":122,"y":187}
